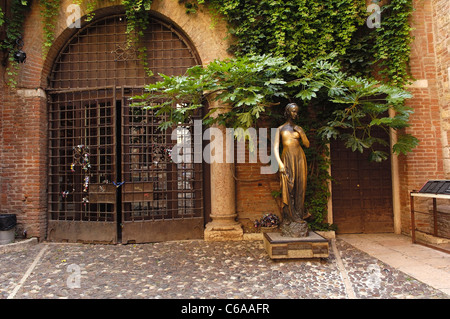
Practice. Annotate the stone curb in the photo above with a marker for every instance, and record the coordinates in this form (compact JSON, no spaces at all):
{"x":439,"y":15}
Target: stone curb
{"x":18,"y":246}
{"x":259,"y":236}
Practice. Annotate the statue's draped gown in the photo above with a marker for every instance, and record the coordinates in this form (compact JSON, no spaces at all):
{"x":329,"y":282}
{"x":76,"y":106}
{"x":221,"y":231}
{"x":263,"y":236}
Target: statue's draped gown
{"x":293,"y":182}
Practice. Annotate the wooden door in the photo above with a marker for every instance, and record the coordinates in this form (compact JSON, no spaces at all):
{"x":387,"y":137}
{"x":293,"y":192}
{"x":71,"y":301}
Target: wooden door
{"x":361,"y":192}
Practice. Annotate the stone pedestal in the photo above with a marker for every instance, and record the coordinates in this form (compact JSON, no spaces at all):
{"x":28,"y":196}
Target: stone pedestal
{"x":218,"y":232}
{"x":280,"y":247}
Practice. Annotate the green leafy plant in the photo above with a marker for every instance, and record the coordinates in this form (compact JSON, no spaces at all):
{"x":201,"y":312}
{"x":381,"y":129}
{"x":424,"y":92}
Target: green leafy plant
{"x":367,"y":105}
{"x":137,"y":15}
{"x":14,"y":29}
{"x":297,"y":30}
{"x":136,"y":12}
{"x":252,"y":86}
{"x":301,"y":30}
{"x":248,"y":84}
{"x":191,"y":7}
{"x":2,"y":17}
{"x":392,"y":47}
{"x":49,"y":13}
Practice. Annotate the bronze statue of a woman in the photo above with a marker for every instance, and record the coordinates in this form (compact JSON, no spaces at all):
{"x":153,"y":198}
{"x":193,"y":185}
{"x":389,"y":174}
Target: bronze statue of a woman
{"x":293,"y":173}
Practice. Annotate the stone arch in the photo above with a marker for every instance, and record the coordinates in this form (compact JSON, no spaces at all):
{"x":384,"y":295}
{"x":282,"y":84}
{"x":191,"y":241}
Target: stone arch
{"x":207,"y":36}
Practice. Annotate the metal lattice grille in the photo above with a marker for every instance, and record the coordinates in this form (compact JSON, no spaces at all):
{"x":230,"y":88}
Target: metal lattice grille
{"x":82,"y":155}
{"x":100,"y":56}
{"x":155,"y":186}
{"x":109,"y":161}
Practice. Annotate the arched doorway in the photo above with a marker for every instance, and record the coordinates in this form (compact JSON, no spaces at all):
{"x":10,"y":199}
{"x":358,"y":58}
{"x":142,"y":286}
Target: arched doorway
{"x":111,"y":178}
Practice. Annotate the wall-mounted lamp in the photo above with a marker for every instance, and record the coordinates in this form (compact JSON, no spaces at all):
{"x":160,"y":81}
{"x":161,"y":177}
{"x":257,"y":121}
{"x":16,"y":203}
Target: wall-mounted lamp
{"x":19,"y":55}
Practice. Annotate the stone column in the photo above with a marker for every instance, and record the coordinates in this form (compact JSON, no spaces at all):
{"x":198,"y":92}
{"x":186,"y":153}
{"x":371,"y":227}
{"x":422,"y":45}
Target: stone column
{"x":223,"y":226}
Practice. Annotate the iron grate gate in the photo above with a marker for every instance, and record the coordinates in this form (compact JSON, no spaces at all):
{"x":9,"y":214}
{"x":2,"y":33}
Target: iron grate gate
{"x":82,"y":155}
{"x":156,"y":187}
{"x":111,"y":176}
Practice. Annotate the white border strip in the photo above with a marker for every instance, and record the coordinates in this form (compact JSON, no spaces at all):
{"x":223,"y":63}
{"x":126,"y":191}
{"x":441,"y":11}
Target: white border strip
{"x":28,"y":273}
{"x":341,"y":267}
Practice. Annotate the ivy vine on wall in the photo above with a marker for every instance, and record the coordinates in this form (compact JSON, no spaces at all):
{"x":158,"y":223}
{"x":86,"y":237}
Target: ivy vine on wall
{"x":13,"y":25}
{"x":49,"y":13}
{"x":393,"y":41}
{"x":303,"y":29}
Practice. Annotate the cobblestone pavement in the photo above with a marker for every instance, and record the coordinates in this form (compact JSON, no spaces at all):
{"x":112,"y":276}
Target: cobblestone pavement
{"x":199,"y":269}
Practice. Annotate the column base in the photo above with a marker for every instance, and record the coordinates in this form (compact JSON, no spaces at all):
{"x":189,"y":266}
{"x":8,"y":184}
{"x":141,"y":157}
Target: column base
{"x":215,"y":232}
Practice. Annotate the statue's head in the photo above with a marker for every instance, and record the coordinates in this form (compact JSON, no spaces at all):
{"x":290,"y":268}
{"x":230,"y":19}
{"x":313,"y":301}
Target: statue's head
{"x":291,"y":110}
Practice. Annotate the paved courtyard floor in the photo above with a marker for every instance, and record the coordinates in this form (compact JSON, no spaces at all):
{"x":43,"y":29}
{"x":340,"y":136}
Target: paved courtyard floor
{"x":200,"y":270}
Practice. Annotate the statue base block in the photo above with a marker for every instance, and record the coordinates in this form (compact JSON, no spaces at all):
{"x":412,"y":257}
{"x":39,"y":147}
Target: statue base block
{"x":280,"y":247}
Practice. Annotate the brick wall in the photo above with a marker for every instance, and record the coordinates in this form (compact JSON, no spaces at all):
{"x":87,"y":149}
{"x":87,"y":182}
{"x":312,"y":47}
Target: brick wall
{"x":428,"y":122}
{"x":23,"y":165}
{"x":23,"y":138}
{"x":254,"y":192}
{"x":441,"y":19}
